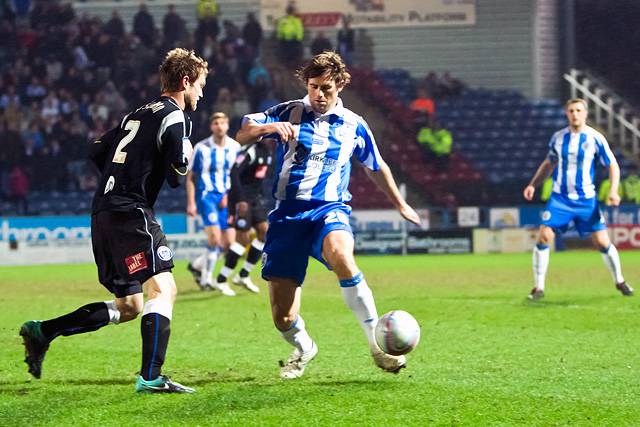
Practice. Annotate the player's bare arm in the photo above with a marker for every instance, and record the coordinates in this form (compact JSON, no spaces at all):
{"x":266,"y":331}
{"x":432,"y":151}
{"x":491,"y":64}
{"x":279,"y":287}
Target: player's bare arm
{"x":252,"y":131}
{"x":614,"y":176}
{"x":191,"y":198}
{"x":544,"y":171}
{"x":385,"y":182}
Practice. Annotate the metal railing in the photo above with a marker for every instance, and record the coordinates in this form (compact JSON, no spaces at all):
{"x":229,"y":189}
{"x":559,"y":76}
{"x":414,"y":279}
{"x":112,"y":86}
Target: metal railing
{"x":608,"y":111}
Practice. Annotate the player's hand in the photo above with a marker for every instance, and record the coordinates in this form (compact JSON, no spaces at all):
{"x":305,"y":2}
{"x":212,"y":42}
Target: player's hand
{"x":613,"y":199}
{"x":528,"y":192}
{"x":285,"y":130}
{"x":191,"y":209}
{"x":223,"y":203}
{"x":409,"y":214}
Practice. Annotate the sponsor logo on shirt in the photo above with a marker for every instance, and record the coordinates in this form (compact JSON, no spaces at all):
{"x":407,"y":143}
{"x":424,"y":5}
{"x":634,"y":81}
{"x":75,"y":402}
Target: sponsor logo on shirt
{"x":136,"y":262}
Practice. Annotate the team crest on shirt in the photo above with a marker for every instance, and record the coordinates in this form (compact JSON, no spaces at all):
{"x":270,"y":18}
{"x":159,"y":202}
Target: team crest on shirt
{"x":546,"y":215}
{"x":164,"y":253}
{"x":586,"y":146}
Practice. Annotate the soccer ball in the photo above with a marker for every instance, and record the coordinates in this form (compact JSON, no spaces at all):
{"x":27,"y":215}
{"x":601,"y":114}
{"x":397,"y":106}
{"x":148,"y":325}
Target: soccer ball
{"x":397,"y":332}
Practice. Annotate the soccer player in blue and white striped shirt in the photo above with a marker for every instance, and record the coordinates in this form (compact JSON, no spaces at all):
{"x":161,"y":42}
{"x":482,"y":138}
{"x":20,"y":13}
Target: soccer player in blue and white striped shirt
{"x":573,"y":152}
{"x":208,"y":182}
{"x":319,"y":137}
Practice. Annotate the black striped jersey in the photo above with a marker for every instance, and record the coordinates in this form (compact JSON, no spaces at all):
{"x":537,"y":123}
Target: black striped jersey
{"x":135,"y":158}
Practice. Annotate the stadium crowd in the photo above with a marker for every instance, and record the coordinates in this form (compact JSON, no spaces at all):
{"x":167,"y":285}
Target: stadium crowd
{"x":65,"y":79}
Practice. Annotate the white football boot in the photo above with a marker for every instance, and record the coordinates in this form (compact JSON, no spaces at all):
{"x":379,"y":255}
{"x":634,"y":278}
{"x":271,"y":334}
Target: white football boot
{"x":224,"y":289}
{"x":297,"y":362}
{"x":246,"y":283}
{"x":387,"y":362}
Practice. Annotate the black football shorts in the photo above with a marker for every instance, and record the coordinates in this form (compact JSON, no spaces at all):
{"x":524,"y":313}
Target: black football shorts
{"x":258,"y":212}
{"x":129,"y":248}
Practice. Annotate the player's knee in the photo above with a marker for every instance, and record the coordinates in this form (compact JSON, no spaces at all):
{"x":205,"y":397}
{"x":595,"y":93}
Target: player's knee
{"x":130,"y":308}
{"x":283,"y":322}
{"x":546,"y":235}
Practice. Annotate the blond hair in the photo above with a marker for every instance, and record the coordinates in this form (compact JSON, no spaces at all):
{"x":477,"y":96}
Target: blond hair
{"x":177,"y":64}
{"x":218,"y":115}
{"x":576,"y":101}
{"x":325,"y":63}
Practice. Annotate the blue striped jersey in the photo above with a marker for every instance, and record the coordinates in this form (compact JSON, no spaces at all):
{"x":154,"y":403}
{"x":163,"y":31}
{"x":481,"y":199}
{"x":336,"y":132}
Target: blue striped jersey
{"x":316,"y":164}
{"x":212,"y":165}
{"x":576,"y":154}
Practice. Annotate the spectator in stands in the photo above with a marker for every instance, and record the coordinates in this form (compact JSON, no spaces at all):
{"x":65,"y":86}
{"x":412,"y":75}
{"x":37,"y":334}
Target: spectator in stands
{"x":34,"y":134}
{"x":437,"y":142}
{"x":10,"y":96}
{"x":114,"y":26}
{"x":290,"y":32}
{"x":259,"y":82}
{"x":424,"y":104}
{"x":320,"y":43}
{"x":206,"y":9}
{"x":451,"y":86}
{"x":18,"y":188}
{"x":224,"y":102}
{"x":252,"y":31}
{"x":547,"y":189}
{"x":207,"y":13}
{"x":605,"y":188}
{"x":346,"y":40}
{"x":173,"y":27}
{"x":144,"y":26}
{"x":631,"y":186}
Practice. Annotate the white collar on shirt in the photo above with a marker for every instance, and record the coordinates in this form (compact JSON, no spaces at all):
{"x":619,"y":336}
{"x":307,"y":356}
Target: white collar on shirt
{"x":338,"y":110}
{"x":211,"y":142}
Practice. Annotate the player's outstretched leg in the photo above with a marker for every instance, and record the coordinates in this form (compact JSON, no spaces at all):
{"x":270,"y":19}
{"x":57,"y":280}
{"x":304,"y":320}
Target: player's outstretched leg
{"x":243,"y":279}
{"x":37,"y":335}
{"x":540,"y":262}
{"x":611,"y":259}
{"x":155,"y":330}
{"x":285,"y":307}
{"x":338,"y":252}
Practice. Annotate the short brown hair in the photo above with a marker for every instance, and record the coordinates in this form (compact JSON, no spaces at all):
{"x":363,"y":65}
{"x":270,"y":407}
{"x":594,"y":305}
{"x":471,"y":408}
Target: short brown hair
{"x":218,"y":115}
{"x":576,"y":101}
{"x":177,"y":64}
{"x":322,"y":63}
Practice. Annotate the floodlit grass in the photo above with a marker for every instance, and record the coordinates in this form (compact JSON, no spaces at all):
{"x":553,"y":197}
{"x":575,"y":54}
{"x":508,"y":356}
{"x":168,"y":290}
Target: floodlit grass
{"x":487,"y":356}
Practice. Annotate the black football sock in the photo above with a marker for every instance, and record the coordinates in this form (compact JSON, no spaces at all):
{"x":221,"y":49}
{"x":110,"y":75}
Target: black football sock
{"x":87,"y":318}
{"x":252,"y":257}
{"x":155,"y":329}
{"x":234,"y":253}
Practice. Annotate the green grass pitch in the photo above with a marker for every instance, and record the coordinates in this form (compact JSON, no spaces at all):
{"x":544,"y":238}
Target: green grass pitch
{"x":487,"y":356}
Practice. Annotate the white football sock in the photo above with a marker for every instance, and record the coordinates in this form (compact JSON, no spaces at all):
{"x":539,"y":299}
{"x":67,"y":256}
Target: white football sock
{"x":540,"y":264}
{"x":114,"y":313}
{"x":612,"y":261}
{"x":210,"y":266}
{"x":359,"y":298}
{"x":297,"y":336}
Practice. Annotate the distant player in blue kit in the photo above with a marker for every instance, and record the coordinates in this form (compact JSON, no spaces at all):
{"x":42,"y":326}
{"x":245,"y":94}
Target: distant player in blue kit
{"x":573,"y":152}
{"x":208,"y":182}
{"x":318,"y":138}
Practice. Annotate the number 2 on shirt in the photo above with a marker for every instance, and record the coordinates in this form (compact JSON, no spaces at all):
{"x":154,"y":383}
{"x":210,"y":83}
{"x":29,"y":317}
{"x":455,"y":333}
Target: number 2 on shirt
{"x":132,"y":126}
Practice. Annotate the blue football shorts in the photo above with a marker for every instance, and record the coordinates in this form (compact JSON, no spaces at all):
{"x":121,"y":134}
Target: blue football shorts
{"x":296,"y":231}
{"x":212,"y":215}
{"x":584,"y":213}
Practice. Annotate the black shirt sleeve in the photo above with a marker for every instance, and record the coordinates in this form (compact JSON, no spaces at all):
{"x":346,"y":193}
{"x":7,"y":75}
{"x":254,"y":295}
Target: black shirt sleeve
{"x":100,"y":148}
{"x":175,"y":148}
